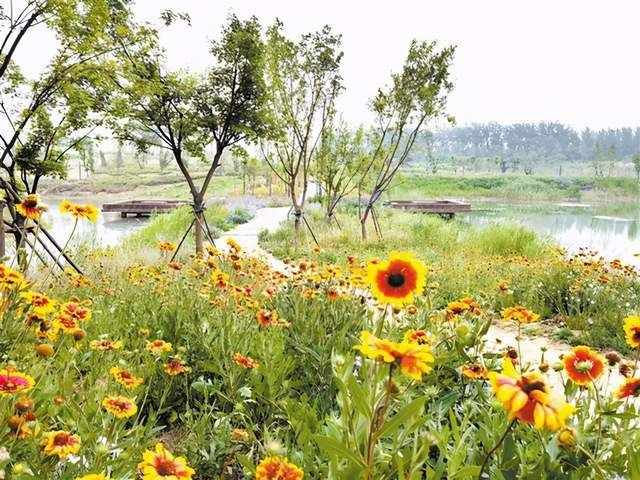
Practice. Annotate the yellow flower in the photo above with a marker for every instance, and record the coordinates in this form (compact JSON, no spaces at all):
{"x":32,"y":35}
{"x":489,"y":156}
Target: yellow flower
{"x":121,"y":407}
{"x":160,"y":464}
{"x":30,"y":207}
{"x":13,"y":381}
{"x":79,"y":211}
{"x":60,"y":443}
{"x":158,"y":346}
{"x":519,"y":314}
{"x":278,"y":468}
{"x":412,"y":357}
{"x":93,"y":476}
{"x":397,"y":280}
{"x":632,"y":331}
{"x":528,"y":398}
{"x":125,"y":378}
{"x":566,"y":437}
{"x":167,"y":247}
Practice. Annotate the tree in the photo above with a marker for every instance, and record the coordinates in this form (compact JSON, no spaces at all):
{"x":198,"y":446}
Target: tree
{"x":340,"y":160}
{"x":304,"y":81}
{"x":183,"y":113}
{"x":47,"y":117}
{"x":416,"y":95}
{"x":636,"y":165}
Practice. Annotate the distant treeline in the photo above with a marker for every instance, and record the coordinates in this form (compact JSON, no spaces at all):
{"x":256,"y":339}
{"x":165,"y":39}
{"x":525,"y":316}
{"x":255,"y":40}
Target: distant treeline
{"x":544,"y":141}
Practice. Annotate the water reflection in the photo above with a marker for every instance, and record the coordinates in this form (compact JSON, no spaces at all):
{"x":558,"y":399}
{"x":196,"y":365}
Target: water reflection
{"x":613,"y":237}
{"x":109,"y":230}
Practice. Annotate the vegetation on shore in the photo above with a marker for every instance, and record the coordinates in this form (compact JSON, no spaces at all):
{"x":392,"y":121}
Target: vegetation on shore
{"x":583,"y":298}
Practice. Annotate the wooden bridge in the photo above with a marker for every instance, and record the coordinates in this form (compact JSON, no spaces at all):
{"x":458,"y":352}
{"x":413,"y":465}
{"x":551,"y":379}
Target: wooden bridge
{"x":444,"y":208}
{"x":142,"y":208}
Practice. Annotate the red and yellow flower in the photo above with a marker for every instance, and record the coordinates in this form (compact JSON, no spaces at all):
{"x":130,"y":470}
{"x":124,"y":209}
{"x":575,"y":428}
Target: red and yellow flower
{"x":519,"y":314}
{"x":167,"y":247}
{"x":60,"y":443}
{"x":39,"y":302}
{"x":583,"y":365}
{"x":30,"y":207}
{"x":13,"y":381}
{"x":397,"y":280}
{"x":125,"y":378}
{"x":245,"y":361}
{"x":414,"y":359}
{"x":176,"y":366}
{"x":160,"y":464}
{"x":528,"y":398}
{"x":630,"y":388}
{"x":158,"y":346}
{"x":10,"y":279}
{"x":278,"y":468}
{"x":632,"y":331}
{"x":474,"y":371}
{"x":79,"y":211}
{"x":121,"y":407}
{"x":105,"y":344}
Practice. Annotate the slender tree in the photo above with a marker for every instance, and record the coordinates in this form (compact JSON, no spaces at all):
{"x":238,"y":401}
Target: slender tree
{"x":416,"y":95}
{"x":303,"y":80}
{"x":183,"y":113}
{"x":340,"y":161}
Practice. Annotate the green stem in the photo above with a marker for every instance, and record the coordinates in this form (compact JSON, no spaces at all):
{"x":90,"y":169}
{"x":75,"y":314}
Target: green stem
{"x":495,"y":447}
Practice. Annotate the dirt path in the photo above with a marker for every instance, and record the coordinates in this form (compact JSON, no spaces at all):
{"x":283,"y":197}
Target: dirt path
{"x":498,"y":337}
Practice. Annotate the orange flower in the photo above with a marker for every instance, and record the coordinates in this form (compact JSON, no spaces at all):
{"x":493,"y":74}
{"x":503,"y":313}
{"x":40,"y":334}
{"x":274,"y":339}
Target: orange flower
{"x":412,"y":357}
{"x":105,"y":344}
{"x":158,"y":346}
{"x":418,"y":336}
{"x":266,"y":317}
{"x":630,"y":388}
{"x":176,"y":366}
{"x":166,"y":247}
{"x":160,"y":464}
{"x":519,"y":314}
{"x":397,"y":280}
{"x":79,"y":211}
{"x":583,"y":365}
{"x":245,"y":362}
{"x":474,"y":371}
{"x":121,"y":407}
{"x":461,"y":306}
{"x":278,"y":468}
{"x":76,"y":311}
{"x":60,"y":443}
{"x":30,"y":207}
{"x":125,"y":378}
{"x":13,"y":381}
{"x":528,"y":398}
{"x":632,"y":331}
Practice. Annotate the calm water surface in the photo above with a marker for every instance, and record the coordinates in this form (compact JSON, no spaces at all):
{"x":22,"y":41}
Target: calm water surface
{"x":572,"y":228}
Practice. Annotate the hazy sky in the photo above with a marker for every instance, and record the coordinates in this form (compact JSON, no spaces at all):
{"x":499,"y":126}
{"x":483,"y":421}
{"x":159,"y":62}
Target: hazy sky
{"x":575,"y":61}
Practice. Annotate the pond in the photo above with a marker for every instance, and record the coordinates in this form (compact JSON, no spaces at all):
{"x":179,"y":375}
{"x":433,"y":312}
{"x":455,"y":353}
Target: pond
{"x":109,"y":230}
{"x":573,"y":226}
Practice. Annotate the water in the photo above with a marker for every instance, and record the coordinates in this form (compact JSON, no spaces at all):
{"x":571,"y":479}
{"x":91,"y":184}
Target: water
{"x":109,"y":230}
{"x":573,"y":228}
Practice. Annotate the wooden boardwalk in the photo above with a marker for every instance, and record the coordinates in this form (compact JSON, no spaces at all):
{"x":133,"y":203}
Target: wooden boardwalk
{"x":142,"y":208}
{"x":444,"y":208}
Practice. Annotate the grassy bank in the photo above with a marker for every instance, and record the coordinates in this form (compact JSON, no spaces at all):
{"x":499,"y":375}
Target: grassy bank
{"x":584,"y":299}
{"x":412,"y":185}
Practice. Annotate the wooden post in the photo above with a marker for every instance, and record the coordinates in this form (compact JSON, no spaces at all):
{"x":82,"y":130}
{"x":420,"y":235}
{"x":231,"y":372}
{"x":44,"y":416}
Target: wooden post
{"x":2,"y":247}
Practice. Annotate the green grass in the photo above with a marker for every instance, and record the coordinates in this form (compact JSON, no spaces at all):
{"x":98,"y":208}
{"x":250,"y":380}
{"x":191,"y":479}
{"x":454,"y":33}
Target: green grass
{"x":468,"y":261}
{"x":514,"y":187}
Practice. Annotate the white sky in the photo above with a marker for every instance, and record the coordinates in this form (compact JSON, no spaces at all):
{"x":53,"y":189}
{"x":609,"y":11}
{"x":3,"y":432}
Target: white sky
{"x":575,"y":61}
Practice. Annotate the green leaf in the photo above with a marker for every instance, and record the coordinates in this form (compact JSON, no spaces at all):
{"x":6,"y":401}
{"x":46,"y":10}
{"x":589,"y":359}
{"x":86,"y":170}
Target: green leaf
{"x":333,"y":447}
{"x":414,"y":408}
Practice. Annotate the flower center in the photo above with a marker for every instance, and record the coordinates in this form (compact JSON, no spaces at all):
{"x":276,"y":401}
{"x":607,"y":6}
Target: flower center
{"x":529,"y":387}
{"x":396,"y":280}
{"x":165,"y":467}
{"x":583,"y":366}
{"x":61,"y":439}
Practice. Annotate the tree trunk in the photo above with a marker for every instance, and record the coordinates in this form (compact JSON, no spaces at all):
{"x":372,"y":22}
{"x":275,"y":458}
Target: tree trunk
{"x":363,"y":221}
{"x":199,"y":233}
